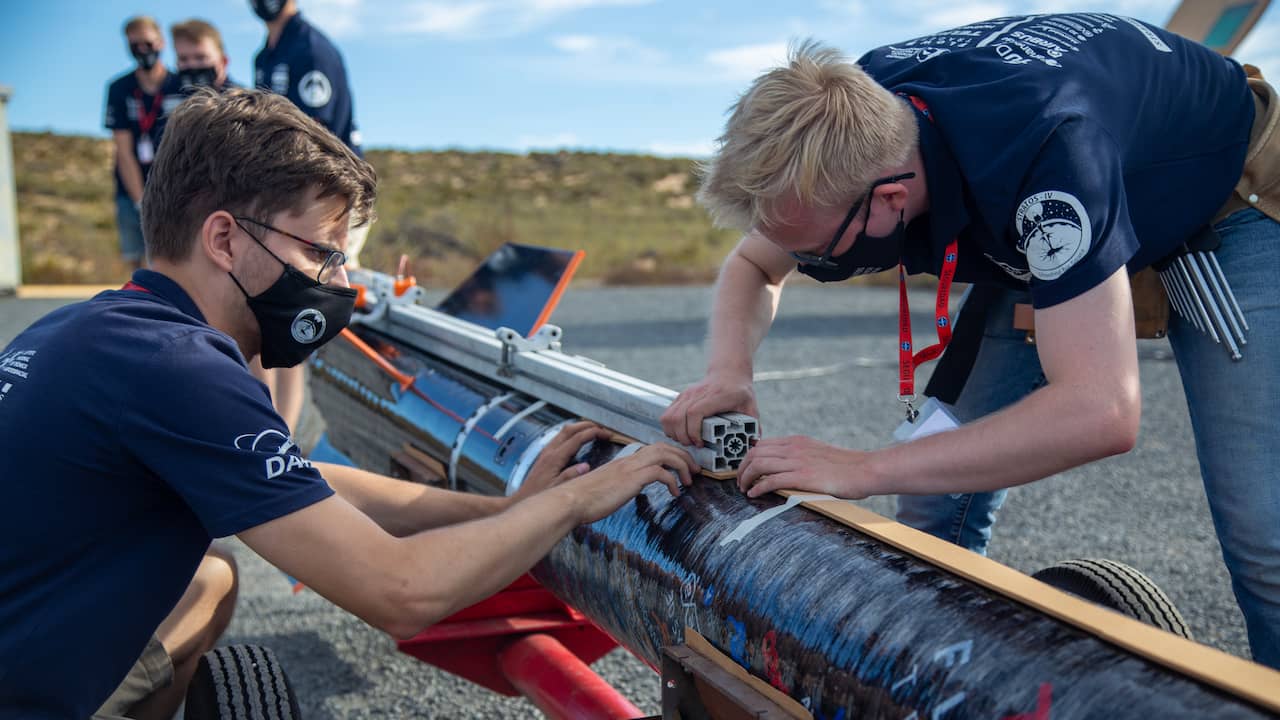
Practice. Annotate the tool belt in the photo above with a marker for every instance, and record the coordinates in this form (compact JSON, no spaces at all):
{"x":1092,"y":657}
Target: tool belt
{"x":1259,"y":187}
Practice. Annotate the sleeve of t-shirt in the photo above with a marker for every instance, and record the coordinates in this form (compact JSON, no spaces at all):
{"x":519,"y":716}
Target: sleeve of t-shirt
{"x":116,"y":116}
{"x":319,"y":86}
{"x":1071,"y":219}
{"x":207,"y":428}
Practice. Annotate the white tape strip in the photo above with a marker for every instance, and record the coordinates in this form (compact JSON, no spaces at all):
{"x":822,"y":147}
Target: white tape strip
{"x":746,"y":526}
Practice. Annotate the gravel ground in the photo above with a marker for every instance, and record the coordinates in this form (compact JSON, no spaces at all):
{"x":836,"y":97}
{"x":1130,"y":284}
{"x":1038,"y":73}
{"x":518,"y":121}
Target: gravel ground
{"x":1146,"y":508}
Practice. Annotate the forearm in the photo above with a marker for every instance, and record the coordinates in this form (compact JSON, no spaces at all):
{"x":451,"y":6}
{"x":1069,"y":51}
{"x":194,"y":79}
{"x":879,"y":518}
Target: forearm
{"x":130,"y":173}
{"x":746,"y":301}
{"x":404,"y":508}
{"x":1054,"y":429}
{"x":456,"y":566}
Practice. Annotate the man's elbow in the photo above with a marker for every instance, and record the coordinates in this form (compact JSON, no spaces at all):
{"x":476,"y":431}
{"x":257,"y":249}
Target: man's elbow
{"x":405,"y":611}
{"x":1120,"y":416}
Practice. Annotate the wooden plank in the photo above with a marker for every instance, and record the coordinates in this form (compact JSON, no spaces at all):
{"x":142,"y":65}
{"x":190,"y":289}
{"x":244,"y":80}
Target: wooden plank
{"x":1248,"y":680}
{"x":1219,"y":24}
{"x":784,"y":702}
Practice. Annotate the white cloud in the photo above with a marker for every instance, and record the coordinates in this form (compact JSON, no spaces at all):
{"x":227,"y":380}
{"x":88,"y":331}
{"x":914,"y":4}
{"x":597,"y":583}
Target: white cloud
{"x":576,"y":44}
{"x":969,"y":13}
{"x":696,"y":149}
{"x":337,"y":17}
{"x":745,"y":62}
{"x":493,"y":18}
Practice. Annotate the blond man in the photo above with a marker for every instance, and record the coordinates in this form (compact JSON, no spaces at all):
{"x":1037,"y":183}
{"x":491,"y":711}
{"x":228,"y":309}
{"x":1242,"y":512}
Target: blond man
{"x":1016,"y":153}
{"x":202,"y":59}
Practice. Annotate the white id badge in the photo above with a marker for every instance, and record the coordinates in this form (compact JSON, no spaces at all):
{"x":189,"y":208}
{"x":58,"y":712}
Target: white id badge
{"x":935,"y":417}
{"x":146,"y":151}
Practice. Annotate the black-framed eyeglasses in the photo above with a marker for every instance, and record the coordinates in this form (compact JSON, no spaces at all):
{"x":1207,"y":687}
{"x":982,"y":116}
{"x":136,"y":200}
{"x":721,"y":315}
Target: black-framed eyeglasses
{"x":824,"y":260}
{"x":330,"y":259}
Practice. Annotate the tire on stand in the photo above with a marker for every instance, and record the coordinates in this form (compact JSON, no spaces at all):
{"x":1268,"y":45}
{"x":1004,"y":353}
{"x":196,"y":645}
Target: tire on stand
{"x":1118,"y":587}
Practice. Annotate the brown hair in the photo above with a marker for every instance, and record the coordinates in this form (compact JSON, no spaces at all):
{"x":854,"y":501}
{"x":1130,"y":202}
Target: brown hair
{"x":819,"y":129}
{"x":195,"y":30}
{"x":249,"y":152}
{"x":137,"y":22}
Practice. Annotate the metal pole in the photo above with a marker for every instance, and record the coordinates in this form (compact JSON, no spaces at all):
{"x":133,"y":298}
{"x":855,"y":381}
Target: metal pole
{"x":559,"y":684}
{"x":10,"y":259}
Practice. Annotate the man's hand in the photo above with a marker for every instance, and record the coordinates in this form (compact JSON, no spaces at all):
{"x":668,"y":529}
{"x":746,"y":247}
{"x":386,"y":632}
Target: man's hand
{"x":549,"y":470}
{"x":802,"y":463}
{"x":716,"y":393}
{"x":604,"y":490}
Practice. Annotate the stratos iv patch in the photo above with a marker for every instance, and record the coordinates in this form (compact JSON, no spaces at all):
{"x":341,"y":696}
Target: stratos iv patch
{"x":1053,"y":231}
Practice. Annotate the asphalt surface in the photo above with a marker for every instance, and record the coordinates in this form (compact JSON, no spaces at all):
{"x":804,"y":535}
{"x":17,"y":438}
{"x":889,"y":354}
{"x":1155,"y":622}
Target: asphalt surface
{"x":1146,"y":508}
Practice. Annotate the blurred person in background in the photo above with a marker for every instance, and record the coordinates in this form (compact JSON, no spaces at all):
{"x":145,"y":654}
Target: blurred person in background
{"x":138,"y":103}
{"x":202,"y":60}
{"x":301,"y":63}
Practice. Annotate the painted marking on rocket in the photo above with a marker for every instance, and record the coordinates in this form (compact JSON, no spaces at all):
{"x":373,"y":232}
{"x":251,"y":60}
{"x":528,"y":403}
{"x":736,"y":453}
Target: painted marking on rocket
{"x":746,"y":526}
{"x":737,"y":640}
{"x":771,"y":661}
{"x":1044,"y":702}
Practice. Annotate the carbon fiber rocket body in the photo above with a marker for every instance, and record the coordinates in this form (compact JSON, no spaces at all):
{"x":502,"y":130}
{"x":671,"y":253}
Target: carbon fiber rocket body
{"x":848,"y":626}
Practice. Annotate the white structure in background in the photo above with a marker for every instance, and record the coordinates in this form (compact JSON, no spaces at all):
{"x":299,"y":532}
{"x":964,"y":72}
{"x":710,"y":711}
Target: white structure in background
{"x":10,"y":260}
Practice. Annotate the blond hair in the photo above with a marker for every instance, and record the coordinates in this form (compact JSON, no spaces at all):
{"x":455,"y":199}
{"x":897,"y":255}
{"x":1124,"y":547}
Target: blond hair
{"x":195,"y":30}
{"x":138,"y":22}
{"x":819,"y":129}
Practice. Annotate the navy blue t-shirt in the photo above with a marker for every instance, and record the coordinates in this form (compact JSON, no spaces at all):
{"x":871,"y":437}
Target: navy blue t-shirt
{"x":128,"y":108}
{"x":131,"y":433}
{"x":305,"y":67}
{"x":1059,"y":148}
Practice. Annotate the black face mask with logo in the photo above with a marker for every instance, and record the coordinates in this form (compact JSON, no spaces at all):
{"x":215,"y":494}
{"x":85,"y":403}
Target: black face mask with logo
{"x":268,"y":10}
{"x":146,"y":55}
{"x":297,"y":314}
{"x":867,"y":256}
{"x":193,"y":78}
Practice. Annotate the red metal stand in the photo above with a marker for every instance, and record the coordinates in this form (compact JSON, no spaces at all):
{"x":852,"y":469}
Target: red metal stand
{"x":525,"y":641}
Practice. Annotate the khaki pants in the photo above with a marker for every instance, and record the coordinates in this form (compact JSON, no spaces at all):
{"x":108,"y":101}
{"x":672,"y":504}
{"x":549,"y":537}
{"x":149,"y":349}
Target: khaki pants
{"x":153,"y":671}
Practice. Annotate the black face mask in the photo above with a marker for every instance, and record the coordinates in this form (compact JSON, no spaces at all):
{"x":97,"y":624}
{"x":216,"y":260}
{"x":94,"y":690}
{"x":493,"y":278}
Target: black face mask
{"x":297,"y":314}
{"x":268,"y":10}
{"x":868,"y":255}
{"x":192,"y":78}
{"x":146,"y":55}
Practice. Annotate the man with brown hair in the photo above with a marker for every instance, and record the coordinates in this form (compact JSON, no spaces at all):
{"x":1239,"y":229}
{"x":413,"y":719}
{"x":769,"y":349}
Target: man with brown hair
{"x":138,"y":104}
{"x":202,"y":60}
{"x":131,"y":432}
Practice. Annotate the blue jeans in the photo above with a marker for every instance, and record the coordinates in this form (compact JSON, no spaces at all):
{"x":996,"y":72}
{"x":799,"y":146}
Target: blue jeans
{"x":1234,"y":407}
{"x":129,"y":222}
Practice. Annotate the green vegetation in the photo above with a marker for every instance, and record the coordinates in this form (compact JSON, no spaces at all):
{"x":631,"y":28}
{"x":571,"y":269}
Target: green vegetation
{"x":634,"y":215}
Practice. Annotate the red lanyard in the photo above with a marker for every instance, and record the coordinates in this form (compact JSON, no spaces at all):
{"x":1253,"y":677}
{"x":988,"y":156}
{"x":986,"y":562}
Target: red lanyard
{"x":907,"y":362}
{"x":147,"y":120}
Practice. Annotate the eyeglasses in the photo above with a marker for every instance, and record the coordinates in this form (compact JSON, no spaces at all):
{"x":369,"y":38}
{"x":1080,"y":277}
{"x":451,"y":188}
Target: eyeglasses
{"x":824,"y":260}
{"x":329,"y":258}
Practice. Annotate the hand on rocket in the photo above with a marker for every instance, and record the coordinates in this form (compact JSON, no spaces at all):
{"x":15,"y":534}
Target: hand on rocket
{"x":801,"y":463}
{"x":549,"y":470}
{"x":609,"y":486}
{"x":716,"y":393}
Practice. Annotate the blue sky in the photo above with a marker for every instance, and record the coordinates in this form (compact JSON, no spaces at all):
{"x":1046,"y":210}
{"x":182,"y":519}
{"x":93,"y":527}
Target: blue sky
{"x":652,"y":76}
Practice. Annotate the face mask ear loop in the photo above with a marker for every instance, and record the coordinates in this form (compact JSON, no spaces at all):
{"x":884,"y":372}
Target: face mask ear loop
{"x":237,"y":282}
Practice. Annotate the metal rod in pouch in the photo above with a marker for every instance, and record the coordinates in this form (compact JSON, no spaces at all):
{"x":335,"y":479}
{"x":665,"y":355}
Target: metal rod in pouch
{"x":1218,"y":282}
{"x":1184,"y":302}
{"x":1213,"y":258}
{"x":1169,"y":292}
{"x":1195,"y":300}
{"x":1203,"y":292}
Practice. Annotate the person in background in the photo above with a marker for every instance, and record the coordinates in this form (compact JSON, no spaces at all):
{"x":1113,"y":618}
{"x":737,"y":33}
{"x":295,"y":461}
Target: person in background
{"x":138,"y":103}
{"x":202,"y":60}
{"x":301,"y":63}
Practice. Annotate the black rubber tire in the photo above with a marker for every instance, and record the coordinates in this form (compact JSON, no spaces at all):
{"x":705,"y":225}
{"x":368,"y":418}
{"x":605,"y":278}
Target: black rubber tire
{"x":1119,"y":587}
{"x":240,"y":682}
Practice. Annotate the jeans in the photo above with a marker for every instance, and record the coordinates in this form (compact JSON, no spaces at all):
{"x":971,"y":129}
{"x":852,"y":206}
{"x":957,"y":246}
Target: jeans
{"x":129,"y":222}
{"x":1235,"y":418}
